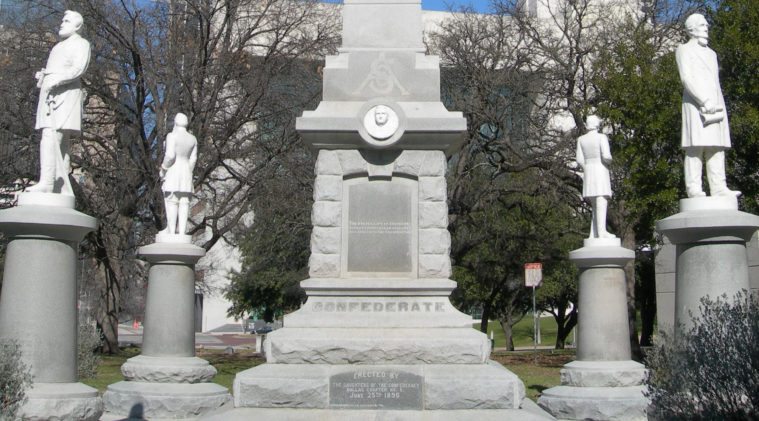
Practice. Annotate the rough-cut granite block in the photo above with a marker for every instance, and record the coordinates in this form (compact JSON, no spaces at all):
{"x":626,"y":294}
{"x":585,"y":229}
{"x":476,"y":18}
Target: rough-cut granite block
{"x":324,"y":265}
{"x":433,"y":215}
{"x":326,"y":214}
{"x":434,"y":165}
{"x":325,"y":240}
{"x":434,"y":266}
{"x":434,"y":241}
{"x":351,"y":162}
{"x":410,"y":162}
{"x":432,"y":189}
{"x":328,"y":163}
{"x":328,"y":188}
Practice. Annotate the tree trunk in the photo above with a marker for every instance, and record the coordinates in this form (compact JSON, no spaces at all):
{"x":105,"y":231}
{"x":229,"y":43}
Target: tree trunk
{"x":485,"y":318}
{"x":564,"y":327}
{"x":646,"y":296}
{"x":508,"y":333}
{"x":108,"y":315}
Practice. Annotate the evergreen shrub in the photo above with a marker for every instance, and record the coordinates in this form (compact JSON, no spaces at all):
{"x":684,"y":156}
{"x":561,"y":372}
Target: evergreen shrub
{"x":90,"y":341}
{"x":15,"y":378}
{"x":710,"y":372}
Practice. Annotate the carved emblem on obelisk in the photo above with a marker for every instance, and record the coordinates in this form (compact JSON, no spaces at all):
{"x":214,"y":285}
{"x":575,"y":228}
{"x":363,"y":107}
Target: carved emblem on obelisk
{"x":381,"y":78}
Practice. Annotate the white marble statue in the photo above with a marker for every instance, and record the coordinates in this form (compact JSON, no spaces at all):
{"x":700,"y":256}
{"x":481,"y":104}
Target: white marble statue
{"x":593,"y":156}
{"x":59,"y":110}
{"x":176,"y":171}
{"x":705,"y":131}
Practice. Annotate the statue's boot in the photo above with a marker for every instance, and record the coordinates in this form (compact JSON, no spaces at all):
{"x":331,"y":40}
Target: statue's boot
{"x":50,"y":154}
{"x":47,"y":174}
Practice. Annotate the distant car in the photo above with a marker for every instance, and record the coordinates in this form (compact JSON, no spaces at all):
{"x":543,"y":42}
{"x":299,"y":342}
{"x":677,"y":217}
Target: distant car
{"x":262,"y":330}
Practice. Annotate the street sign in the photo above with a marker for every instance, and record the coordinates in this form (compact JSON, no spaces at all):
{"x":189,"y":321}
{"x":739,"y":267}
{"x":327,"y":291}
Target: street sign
{"x":533,"y":274}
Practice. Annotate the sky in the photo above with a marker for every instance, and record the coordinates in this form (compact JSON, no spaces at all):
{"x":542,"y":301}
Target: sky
{"x":478,"y":5}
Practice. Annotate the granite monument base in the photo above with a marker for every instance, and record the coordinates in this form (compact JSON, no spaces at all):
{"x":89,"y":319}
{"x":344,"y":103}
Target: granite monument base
{"x":596,"y":403}
{"x":40,"y":280}
{"x":604,"y":383}
{"x":710,"y":236}
{"x":347,"y":370}
{"x":528,"y":411}
{"x":164,"y":400}
{"x":167,"y":380}
{"x":62,"y":401}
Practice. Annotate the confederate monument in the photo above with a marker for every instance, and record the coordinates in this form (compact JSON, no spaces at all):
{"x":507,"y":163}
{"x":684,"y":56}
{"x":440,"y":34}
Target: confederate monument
{"x":603,"y":383}
{"x":593,"y":156}
{"x":705,"y":132}
{"x":167,"y":380}
{"x":44,"y":231}
{"x":59,"y":110}
{"x":709,"y":233}
{"x":378,"y":336}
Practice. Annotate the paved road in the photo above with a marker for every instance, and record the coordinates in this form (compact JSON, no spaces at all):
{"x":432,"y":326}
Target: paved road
{"x":131,"y":336}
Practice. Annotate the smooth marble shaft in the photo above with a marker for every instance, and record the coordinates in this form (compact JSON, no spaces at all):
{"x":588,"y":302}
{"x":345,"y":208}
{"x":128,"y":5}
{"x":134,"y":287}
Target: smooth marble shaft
{"x":710,"y":236}
{"x":38,"y":306}
{"x":170,"y":307}
{"x":708,"y":269}
{"x":603,"y":331}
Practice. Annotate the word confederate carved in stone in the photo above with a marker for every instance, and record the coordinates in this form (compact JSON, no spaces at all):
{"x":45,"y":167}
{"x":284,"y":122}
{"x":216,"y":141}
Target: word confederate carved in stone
{"x":379,"y":307}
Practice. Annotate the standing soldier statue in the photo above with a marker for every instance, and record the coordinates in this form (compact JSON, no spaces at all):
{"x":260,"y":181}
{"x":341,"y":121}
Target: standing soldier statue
{"x":705,"y":131}
{"x":176,"y":171}
{"x":59,"y":110}
{"x":593,"y":156}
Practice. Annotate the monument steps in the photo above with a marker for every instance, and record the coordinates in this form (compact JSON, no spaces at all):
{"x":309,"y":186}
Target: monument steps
{"x":377,"y":346}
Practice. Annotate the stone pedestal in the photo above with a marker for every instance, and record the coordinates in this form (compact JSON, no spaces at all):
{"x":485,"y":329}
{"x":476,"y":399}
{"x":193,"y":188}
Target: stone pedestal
{"x":603,"y":383}
{"x":38,"y":306}
{"x":382,"y":341}
{"x":167,"y":380}
{"x":710,"y":236}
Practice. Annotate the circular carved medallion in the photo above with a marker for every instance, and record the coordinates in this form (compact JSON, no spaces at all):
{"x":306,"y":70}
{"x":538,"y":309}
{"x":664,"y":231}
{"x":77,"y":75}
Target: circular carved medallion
{"x":381,"y":122}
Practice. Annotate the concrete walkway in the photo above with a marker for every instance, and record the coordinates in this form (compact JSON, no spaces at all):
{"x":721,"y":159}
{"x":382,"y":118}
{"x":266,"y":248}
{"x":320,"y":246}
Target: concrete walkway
{"x":129,"y":335}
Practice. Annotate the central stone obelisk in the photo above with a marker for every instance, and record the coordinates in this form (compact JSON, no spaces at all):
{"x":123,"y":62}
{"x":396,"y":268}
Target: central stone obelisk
{"x":378,"y":336}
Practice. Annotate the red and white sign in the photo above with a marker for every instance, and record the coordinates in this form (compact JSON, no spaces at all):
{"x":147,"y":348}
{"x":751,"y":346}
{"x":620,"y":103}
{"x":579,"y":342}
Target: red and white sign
{"x":533,"y":274}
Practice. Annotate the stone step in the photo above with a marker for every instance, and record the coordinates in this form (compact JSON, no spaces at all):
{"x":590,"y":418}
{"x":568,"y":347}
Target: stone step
{"x":379,"y":387}
{"x":528,"y":411}
{"x":376,"y":346}
{"x":163,"y":400}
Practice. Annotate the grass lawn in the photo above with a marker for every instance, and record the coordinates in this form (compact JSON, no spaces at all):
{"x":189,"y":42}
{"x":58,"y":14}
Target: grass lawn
{"x":109,"y":371}
{"x":538,"y":371}
{"x":523,"y":332}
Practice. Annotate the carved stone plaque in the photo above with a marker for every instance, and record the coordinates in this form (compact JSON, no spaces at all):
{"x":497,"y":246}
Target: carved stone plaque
{"x":376,"y":388}
{"x":380,"y":227}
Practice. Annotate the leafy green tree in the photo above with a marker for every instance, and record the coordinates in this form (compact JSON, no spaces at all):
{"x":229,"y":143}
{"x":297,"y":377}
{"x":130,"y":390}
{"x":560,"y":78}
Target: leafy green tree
{"x":493,"y":242}
{"x":275,"y":248}
{"x":734,"y":35}
{"x":558,"y":295}
{"x":512,"y":174}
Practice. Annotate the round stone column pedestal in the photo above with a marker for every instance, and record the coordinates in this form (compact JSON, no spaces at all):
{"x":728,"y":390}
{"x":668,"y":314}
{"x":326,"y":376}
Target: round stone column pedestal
{"x":604,"y":383}
{"x":167,"y":380}
{"x":710,"y":236}
{"x":38,"y":305}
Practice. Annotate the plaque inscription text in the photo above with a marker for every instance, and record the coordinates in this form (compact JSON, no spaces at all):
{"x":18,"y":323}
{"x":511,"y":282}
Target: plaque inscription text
{"x":373,"y":388}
